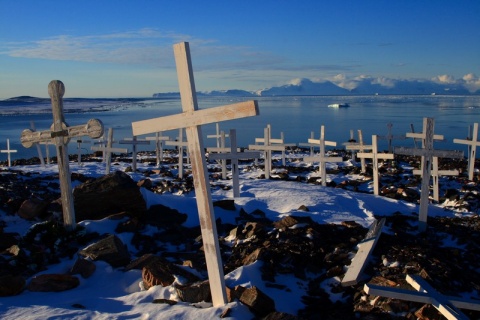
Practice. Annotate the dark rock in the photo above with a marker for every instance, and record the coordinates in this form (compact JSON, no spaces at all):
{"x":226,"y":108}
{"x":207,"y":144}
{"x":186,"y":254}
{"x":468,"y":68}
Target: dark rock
{"x":110,"y":194}
{"x":145,"y":183}
{"x":165,"y":301}
{"x":290,"y":221}
{"x":83,"y":267}
{"x":280,"y":316}
{"x":11,"y":285}
{"x":161,"y":216}
{"x":227,"y":204}
{"x":111,"y":250}
{"x":257,"y":301}
{"x":53,"y":283}
{"x":32,"y":208}
{"x":161,"y":272}
{"x":8,"y":239}
{"x":196,"y":292}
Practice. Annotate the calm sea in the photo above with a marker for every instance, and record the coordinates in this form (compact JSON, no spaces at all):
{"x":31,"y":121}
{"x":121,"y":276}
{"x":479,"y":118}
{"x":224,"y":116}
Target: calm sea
{"x":296,"y":117}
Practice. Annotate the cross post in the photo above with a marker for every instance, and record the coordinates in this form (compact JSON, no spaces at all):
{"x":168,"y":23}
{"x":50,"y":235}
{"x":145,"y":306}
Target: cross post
{"x":79,"y":150}
{"x":374,"y":155}
{"x":473,"y":143}
{"x":427,"y":153}
{"x":108,"y":150}
{"x":234,"y":156}
{"x":159,"y":139}
{"x":389,"y":137}
{"x":217,"y":135}
{"x":180,"y":144}
{"x":39,"y":150}
{"x":221,"y":148}
{"x":267,"y":147}
{"x":61,"y":133}
{"x":8,"y":151}
{"x":321,"y":158}
{"x":192,"y":118}
{"x":359,"y":146}
{"x":134,"y":142}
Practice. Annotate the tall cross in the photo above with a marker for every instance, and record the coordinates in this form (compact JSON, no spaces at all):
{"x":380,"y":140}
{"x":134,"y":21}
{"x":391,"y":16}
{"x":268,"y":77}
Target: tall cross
{"x":180,"y":144}
{"x":389,"y":137}
{"x":61,"y":134}
{"x":321,"y":158}
{"x":8,"y":151}
{"x":374,"y":155}
{"x":427,"y":153}
{"x":192,"y":118}
{"x":79,"y":150}
{"x":359,"y":146}
{"x":159,"y":139}
{"x":234,"y":156}
{"x":134,"y":142}
{"x":473,"y":143}
{"x":108,"y":150}
{"x":267,"y":147}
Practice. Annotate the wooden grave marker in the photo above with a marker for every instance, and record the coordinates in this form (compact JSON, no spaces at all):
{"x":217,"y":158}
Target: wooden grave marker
{"x":8,"y":151}
{"x":134,"y":142}
{"x":159,"y":140}
{"x":267,"y":147}
{"x":192,"y":118}
{"x":234,"y":156}
{"x":39,"y":150}
{"x":217,"y":135}
{"x":79,"y":150}
{"x":277,"y":142}
{"x":221,"y":148}
{"x":375,"y":155}
{"x":435,"y":175}
{"x":472,"y":143}
{"x":427,"y":153}
{"x":181,"y":145}
{"x":390,"y":137}
{"x":61,"y":133}
{"x":102,"y":144}
{"x":321,"y":157}
{"x":310,"y":145}
{"x":108,"y":150}
{"x":365,"y":248}
{"x":447,"y":305}
{"x":359,"y":146}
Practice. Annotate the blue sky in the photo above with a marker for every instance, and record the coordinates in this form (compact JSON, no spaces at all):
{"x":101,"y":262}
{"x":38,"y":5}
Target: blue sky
{"x":124,"y":48}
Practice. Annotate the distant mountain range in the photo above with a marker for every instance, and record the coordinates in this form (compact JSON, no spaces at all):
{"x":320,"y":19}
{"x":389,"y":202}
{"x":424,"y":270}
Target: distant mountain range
{"x":360,"y":86}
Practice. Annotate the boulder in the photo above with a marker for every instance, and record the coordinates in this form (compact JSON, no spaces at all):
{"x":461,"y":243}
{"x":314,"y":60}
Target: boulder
{"x":110,"y":194}
{"x":162,"y":272}
{"x":163,"y":217}
{"x":111,"y":250}
{"x":83,"y":267}
{"x":257,"y":301}
{"x":194,"y":293}
{"x":11,"y":285}
{"x":53,"y":283}
{"x":32,"y":208}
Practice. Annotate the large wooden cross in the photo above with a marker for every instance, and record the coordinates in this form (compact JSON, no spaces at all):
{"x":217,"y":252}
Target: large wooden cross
{"x":108,"y":150}
{"x":447,"y":305}
{"x":234,"y":156}
{"x":390,"y":137}
{"x":321,"y":157}
{"x":8,"y":151}
{"x":192,"y":119}
{"x":359,"y":146}
{"x":427,"y":153}
{"x":61,"y":133}
{"x":374,"y":155}
{"x":473,"y":143}
{"x":134,"y":142}
{"x":159,"y":139}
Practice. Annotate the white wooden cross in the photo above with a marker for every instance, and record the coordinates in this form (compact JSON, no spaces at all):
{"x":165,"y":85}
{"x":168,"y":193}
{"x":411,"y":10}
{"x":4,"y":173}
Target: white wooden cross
{"x":8,"y":151}
{"x":389,"y":137}
{"x":61,"y":133}
{"x":47,"y":150}
{"x":278,"y":142}
{"x":102,"y":144}
{"x":374,"y":155}
{"x":217,"y":135}
{"x":447,"y":305}
{"x":134,"y":142}
{"x":321,"y":158}
{"x":221,"y":148}
{"x":180,"y":144}
{"x":267,"y":147}
{"x":427,"y":153}
{"x":234,"y":156}
{"x":108,"y":150}
{"x":473,"y":143}
{"x":435,"y":173}
{"x":310,"y":145}
{"x":192,"y":118}
{"x":359,"y":146}
{"x":159,"y":139}
{"x":39,"y":150}
{"x":79,"y":150}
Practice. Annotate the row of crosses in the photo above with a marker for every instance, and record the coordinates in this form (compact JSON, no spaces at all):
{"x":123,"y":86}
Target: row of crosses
{"x":191,"y":120}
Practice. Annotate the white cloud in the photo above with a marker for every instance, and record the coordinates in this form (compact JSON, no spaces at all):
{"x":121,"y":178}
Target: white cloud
{"x":472,"y":82}
{"x":445,"y":78}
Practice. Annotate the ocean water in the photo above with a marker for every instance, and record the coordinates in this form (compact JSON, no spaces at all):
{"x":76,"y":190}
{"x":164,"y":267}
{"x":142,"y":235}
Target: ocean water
{"x":295,"y":116}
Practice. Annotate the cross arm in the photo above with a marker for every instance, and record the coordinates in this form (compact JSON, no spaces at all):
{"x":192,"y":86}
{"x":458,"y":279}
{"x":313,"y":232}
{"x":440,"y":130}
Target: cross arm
{"x":435,"y":153}
{"x":196,"y":118}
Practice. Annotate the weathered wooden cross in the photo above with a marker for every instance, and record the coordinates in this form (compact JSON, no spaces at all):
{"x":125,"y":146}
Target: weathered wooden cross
{"x":217,"y":135}
{"x":359,"y":146}
{"x":310,"y":145}
{"x":79,"y":150}
{"x":278,"y":142}
{"x":427,"y":153}
{"x":134,"y":142}
{"x":390,"y":137}
{"x":159,"y":139}
{"x":192,"y":118}
{"x":221,"y":148}
{"x":102,"y":144}
{"x":267,"y":147}
{"x":473,"y":143}
{"x":234,"y":156}
{"x":447,"y":305}
{"x":321,"y":157}
{"x":180,"y":144}
{"x":374,"y":155}
{"x":435,"y":173}
{"x":8,"y":151}
{"x":39,"y":150}
{"x":108,"y":150}
{"x":61,"y":133}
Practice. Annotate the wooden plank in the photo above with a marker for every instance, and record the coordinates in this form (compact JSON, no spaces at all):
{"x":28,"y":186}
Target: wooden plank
{"x":8,"y":151}
{"x":472,"y":143}
{"x":365,"y":248}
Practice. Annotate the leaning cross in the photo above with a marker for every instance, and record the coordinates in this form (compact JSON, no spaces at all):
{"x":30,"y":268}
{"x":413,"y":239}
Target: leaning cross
{"x":359,"y":146}
{"x":321,"y":158}
{"x":389,"y":137}
{"x":8,"y":151}
{"x":192,"y":118}
{"x":473,"y":143}
{"x":427,"y":153}
{"x":61,"y":133}
{"x":234,"y":156}
{"x":374,"y":155}
{"x":107,"y":150}
{"x":134,"y":142}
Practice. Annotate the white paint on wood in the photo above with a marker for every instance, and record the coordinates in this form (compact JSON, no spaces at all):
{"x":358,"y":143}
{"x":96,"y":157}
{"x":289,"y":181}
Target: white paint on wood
{"x":359,"y":146}
{"x":181,"y":145}
{"x":159,"y":140}
{"x":390,"y":137}
{"x":472,"y":143}
{"x":8,"y":151}
{"x":108,"y":150}
{"x":39,"y":150}
{"x":134,"y":142}
{"x":79,"y":150}
{"x":435,"y":175}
